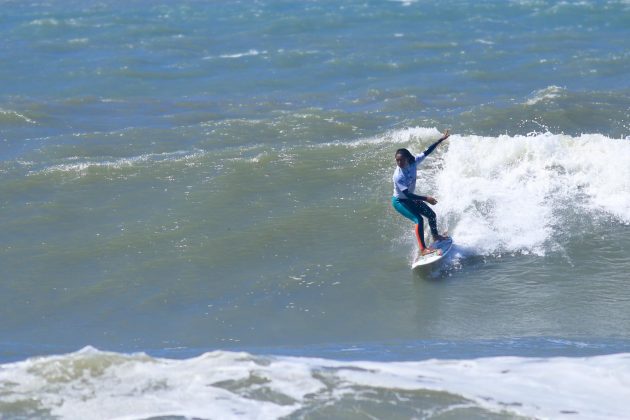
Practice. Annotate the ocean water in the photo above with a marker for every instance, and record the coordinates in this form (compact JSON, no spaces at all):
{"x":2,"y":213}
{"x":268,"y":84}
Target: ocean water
{"x":195,"y":216}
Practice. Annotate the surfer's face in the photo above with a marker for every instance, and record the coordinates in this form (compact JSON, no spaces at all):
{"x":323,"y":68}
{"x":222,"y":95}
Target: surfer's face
{"x":401,"y":161}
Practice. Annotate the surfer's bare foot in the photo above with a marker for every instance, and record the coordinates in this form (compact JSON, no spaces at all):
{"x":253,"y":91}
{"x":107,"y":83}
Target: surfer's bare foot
{"x":439,"y":238}
{"x":426,"y":251}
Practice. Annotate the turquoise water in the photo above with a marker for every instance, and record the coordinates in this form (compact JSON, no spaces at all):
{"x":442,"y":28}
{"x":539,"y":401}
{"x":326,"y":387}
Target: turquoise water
{"x":204,"y":187}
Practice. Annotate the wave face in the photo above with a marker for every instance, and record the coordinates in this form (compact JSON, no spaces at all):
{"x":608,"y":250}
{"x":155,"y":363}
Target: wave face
{"x":108,"y":244}
{"x":92,"y":384}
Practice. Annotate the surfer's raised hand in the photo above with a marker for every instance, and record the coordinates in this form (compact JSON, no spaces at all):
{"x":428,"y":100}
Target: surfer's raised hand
{"x":431,"y":200}
{"x":434,"y":145}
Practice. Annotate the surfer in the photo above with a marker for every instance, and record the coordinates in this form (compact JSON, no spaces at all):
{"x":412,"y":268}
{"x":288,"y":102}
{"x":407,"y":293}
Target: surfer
{"x":406,"y":202}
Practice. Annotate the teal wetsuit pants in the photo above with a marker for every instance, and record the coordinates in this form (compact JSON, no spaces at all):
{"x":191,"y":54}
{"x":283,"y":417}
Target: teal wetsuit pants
{"x":414,"y":210}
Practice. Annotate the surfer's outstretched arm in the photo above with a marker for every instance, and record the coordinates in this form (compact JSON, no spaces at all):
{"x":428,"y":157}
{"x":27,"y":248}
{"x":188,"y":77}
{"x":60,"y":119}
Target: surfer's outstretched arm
{"x":434,"y":145}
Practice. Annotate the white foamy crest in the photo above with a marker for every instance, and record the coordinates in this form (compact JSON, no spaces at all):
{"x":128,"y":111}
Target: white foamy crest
{"x":83,"y":166}
{"x":55,"y":22}
{"x":251,"y":52}
{"x":78,"y":41}
{"x":13,"y":116}
{"x":402,"y":137}
{"x":546,"y":94}
{"x":405,"y":3}
{"x":589,"y":388}
{"x":91,"y":384}
{"x":47,"y":21}
{"x":509,"y":193}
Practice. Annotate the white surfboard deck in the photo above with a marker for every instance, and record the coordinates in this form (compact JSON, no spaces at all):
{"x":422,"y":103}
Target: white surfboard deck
{"x":441,"y":249}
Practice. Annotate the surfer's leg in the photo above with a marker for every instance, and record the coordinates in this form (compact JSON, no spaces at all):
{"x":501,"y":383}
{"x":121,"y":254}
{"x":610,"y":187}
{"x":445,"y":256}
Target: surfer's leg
{"x":420,"y":236}
{"x":410,"y":211}
{"x":430,"y":215}
{"x":407,"y":209}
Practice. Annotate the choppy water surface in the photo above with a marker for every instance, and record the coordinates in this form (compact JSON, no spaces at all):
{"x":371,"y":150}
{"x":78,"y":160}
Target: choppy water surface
{"x":200,"y":191}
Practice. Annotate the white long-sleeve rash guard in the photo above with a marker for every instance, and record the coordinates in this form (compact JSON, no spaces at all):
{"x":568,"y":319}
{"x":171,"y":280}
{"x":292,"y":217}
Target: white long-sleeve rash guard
{"x":405,"y":179}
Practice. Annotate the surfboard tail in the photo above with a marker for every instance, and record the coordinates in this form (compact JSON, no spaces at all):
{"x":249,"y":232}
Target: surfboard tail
{"x":441,"y":249}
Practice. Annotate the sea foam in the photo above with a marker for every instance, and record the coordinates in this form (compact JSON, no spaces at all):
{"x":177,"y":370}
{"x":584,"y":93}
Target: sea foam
{"x":511,"y":193}
{"x":92,"y":384}
{"x":515,"y":193}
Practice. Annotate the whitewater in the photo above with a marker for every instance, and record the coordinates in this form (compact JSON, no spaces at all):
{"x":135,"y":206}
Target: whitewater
{"x":99,"y":385}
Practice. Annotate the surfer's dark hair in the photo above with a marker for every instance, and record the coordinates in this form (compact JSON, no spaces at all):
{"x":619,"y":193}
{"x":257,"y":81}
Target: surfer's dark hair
{"x":406,"y":154}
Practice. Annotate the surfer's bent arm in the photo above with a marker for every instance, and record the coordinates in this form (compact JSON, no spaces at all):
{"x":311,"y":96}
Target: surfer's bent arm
{"x":412,"y":196}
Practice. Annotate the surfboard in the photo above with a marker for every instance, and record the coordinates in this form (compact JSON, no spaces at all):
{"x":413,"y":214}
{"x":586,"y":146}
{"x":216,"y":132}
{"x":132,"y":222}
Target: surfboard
{"x":441,"y":249}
